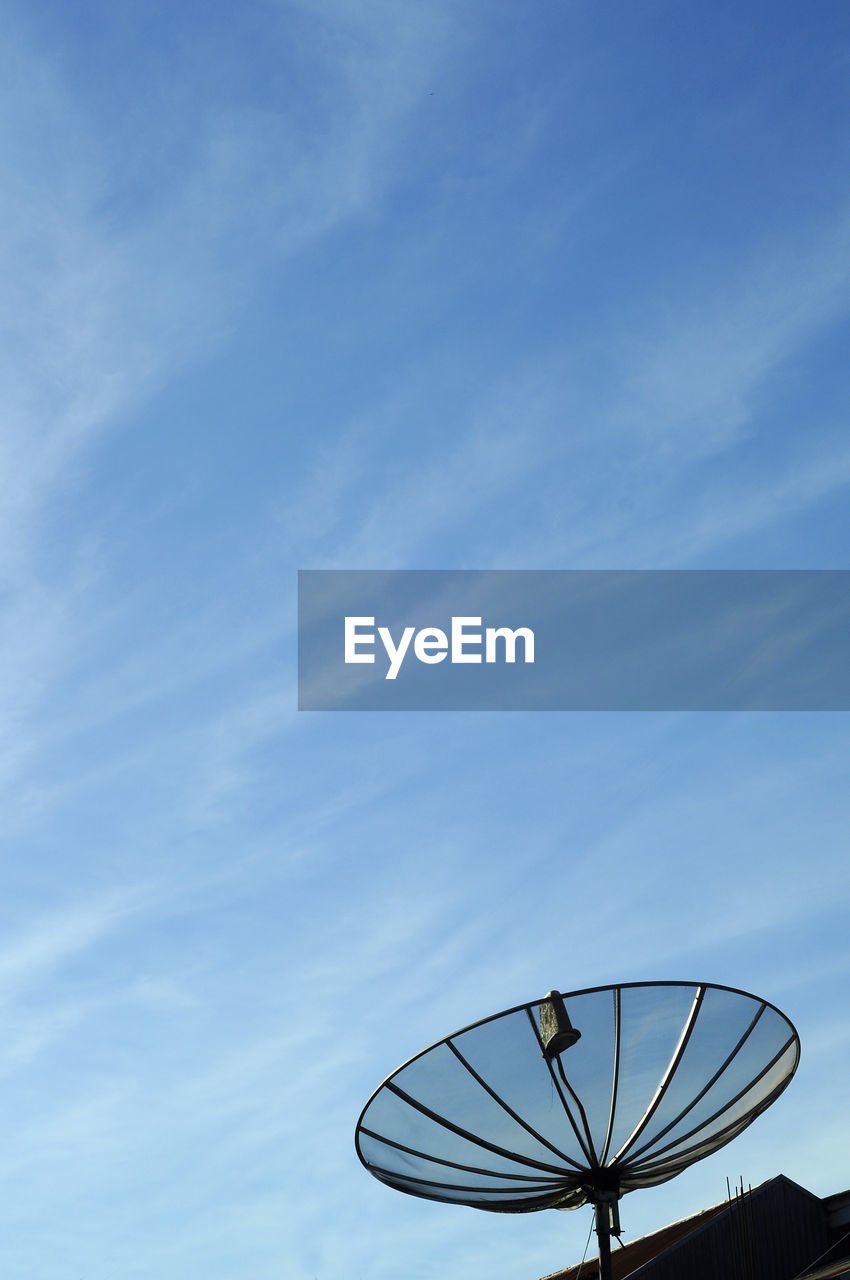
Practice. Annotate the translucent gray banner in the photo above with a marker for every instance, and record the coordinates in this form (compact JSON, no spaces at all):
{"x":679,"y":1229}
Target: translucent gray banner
{"x":574,"y":640}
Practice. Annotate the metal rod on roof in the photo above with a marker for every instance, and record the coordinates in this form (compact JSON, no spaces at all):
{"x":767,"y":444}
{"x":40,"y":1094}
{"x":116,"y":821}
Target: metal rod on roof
{"x":603,"y":1208}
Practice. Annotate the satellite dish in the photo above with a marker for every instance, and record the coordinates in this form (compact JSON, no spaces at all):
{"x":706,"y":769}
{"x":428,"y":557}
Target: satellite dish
{"x":578,"y":1099}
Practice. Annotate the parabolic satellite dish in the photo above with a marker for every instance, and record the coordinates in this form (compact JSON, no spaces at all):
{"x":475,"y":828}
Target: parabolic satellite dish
{"x":578,"y":1099}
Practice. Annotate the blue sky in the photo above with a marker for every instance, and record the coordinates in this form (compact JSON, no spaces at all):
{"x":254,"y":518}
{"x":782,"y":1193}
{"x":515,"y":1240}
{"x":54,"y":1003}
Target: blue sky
{"x":325,"y":284}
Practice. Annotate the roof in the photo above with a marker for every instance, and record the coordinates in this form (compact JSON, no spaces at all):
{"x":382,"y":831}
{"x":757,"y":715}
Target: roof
{"x":638,"y":1252}
{"x":830,"y":1271}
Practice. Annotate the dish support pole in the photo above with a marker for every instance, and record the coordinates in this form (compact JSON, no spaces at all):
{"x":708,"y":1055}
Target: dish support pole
{"x":607,"y":1218}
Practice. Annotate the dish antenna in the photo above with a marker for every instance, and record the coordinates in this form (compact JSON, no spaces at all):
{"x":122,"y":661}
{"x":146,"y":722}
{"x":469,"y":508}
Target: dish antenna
{"x":577,"y":1099}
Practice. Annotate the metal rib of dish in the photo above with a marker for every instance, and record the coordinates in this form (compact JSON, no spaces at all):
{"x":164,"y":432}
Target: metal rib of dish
{"x":661,"y":1075}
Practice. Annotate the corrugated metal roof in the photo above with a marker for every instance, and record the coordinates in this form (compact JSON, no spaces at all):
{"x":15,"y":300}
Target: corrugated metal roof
{"x":638,"y":1252}
{"x":778,"y":1231}
{"x":830,"y":1271}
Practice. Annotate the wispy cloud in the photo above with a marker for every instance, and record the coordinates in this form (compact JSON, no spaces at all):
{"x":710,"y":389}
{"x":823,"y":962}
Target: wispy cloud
{"x":113,"y":285}
{"x":101,"y":309}
{"x":655,"y":466}
{"x":62,"y":934}
{"x":696,"y":367}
